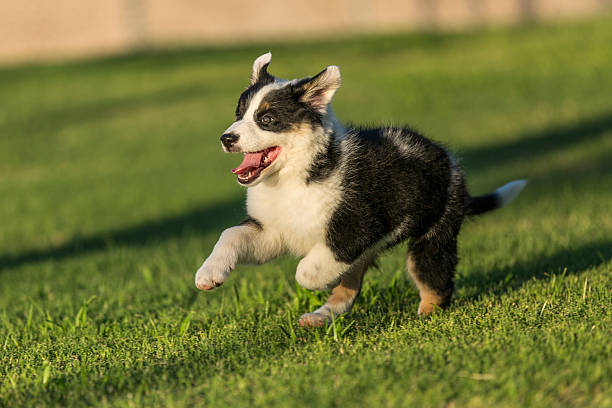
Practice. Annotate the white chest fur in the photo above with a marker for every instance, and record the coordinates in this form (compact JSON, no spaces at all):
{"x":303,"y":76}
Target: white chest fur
{"x":298,"y":211}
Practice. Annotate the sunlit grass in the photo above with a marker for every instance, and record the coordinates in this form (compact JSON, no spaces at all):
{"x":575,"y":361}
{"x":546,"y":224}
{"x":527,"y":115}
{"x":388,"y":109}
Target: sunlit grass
{"x":114,"y":189}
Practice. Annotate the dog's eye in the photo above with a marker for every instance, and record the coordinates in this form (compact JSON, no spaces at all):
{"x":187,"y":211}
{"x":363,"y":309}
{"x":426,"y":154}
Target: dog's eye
{"x":266,"y":120}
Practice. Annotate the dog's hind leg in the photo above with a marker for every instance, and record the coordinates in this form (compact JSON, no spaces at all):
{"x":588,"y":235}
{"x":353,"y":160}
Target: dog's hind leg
{"x":248,"y":243}
{"x":431,"y":265}
{"x":342,"y":297}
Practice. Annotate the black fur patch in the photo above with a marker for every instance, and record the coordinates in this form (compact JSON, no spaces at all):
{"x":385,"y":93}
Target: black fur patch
{"x":324,"y":162}
{"x":482,"y":204}
{"x":246,"y":96}
{"x":286,"y":110}
{"x":386,"y":190}
{"x":253,"y":222}
{"x":263,"y":75}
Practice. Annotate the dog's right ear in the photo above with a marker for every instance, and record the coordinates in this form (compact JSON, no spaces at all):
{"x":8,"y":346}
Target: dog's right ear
{"x":260,"y":69}
{"x":319,"y":90}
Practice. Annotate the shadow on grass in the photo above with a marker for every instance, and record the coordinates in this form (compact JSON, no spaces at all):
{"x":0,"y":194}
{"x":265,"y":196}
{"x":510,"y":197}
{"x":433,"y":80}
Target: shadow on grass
{"x":402,"y":296}
{"x":54,"y":120}
{"x":566,"y":261}
{"x":532,"y":145}
{"x":198,"y":221}
{"x":217,"y":216}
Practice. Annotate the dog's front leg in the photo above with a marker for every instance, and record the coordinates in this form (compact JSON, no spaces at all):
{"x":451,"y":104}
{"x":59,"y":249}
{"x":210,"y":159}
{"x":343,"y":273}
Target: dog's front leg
{"x":319,"y":269}
{"x":245,"y":243}
{"x":342,"y":297}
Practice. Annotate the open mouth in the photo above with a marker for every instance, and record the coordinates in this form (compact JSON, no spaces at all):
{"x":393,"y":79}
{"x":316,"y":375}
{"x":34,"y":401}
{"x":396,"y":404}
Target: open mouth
{"x":254,"y":163}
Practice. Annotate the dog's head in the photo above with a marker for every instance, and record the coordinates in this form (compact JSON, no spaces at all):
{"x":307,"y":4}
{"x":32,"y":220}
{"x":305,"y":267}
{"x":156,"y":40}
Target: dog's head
{"x":278,"y":120}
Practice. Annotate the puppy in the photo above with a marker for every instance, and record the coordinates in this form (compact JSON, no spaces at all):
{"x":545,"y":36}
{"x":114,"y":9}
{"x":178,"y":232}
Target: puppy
{"x":339,"y":195}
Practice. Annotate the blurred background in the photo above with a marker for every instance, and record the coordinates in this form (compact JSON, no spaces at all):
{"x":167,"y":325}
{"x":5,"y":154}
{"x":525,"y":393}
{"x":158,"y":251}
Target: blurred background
{"x":39,"y":29}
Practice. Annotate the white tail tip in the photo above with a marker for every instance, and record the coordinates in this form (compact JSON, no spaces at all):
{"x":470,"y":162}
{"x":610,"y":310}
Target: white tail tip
{"x":508,"y":192}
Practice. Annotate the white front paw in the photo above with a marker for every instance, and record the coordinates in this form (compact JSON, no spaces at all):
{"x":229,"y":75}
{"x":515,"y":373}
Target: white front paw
{"x":313,"y":276}
{"x":212,"y":274}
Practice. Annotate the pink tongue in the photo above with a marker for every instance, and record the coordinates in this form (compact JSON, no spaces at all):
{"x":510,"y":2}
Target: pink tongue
{"x":250,"y":160}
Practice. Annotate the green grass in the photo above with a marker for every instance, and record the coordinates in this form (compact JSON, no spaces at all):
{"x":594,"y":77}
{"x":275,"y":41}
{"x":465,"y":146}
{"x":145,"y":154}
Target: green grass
{"x":114,"y":189}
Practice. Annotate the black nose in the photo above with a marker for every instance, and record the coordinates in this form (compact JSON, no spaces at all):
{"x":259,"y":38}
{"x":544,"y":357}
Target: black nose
{"x":228,"y":139}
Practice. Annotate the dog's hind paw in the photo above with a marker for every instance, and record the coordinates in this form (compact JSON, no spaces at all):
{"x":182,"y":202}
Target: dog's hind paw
{"x":314,"y":319}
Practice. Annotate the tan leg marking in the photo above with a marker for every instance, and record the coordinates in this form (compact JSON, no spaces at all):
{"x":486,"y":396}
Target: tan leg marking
{"x":430,"y":300}
{"x":341,"y":299}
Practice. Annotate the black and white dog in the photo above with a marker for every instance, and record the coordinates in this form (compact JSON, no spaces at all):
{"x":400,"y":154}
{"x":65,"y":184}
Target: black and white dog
{"x":337,"y":196}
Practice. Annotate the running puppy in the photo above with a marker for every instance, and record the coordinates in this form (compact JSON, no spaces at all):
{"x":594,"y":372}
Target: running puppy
{"x":337,"y":196}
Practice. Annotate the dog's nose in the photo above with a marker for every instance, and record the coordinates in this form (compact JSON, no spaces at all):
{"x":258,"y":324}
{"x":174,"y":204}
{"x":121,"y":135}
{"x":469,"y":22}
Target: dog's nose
{"x":228,"y":139}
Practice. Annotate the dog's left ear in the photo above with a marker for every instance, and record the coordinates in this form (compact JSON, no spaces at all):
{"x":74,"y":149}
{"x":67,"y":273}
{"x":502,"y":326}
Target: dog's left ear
{"x":319,"y":90}
{"x":260,"y":69}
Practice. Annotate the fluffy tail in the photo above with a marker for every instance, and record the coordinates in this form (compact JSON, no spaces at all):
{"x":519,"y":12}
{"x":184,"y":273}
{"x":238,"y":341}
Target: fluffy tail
{"x":497,"y":199}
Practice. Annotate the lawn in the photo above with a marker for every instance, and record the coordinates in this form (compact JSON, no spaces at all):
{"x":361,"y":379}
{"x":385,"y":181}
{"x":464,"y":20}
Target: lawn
{"x":114,"y":189}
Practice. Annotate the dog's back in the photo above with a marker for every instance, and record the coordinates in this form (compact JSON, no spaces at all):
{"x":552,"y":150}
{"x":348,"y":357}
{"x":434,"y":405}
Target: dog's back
{"x":395,"y":185}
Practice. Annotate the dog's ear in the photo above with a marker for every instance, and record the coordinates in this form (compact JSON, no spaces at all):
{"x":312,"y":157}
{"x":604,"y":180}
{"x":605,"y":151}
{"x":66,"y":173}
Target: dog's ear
{"x":319,"y":90}
{"x":260,"y":68}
